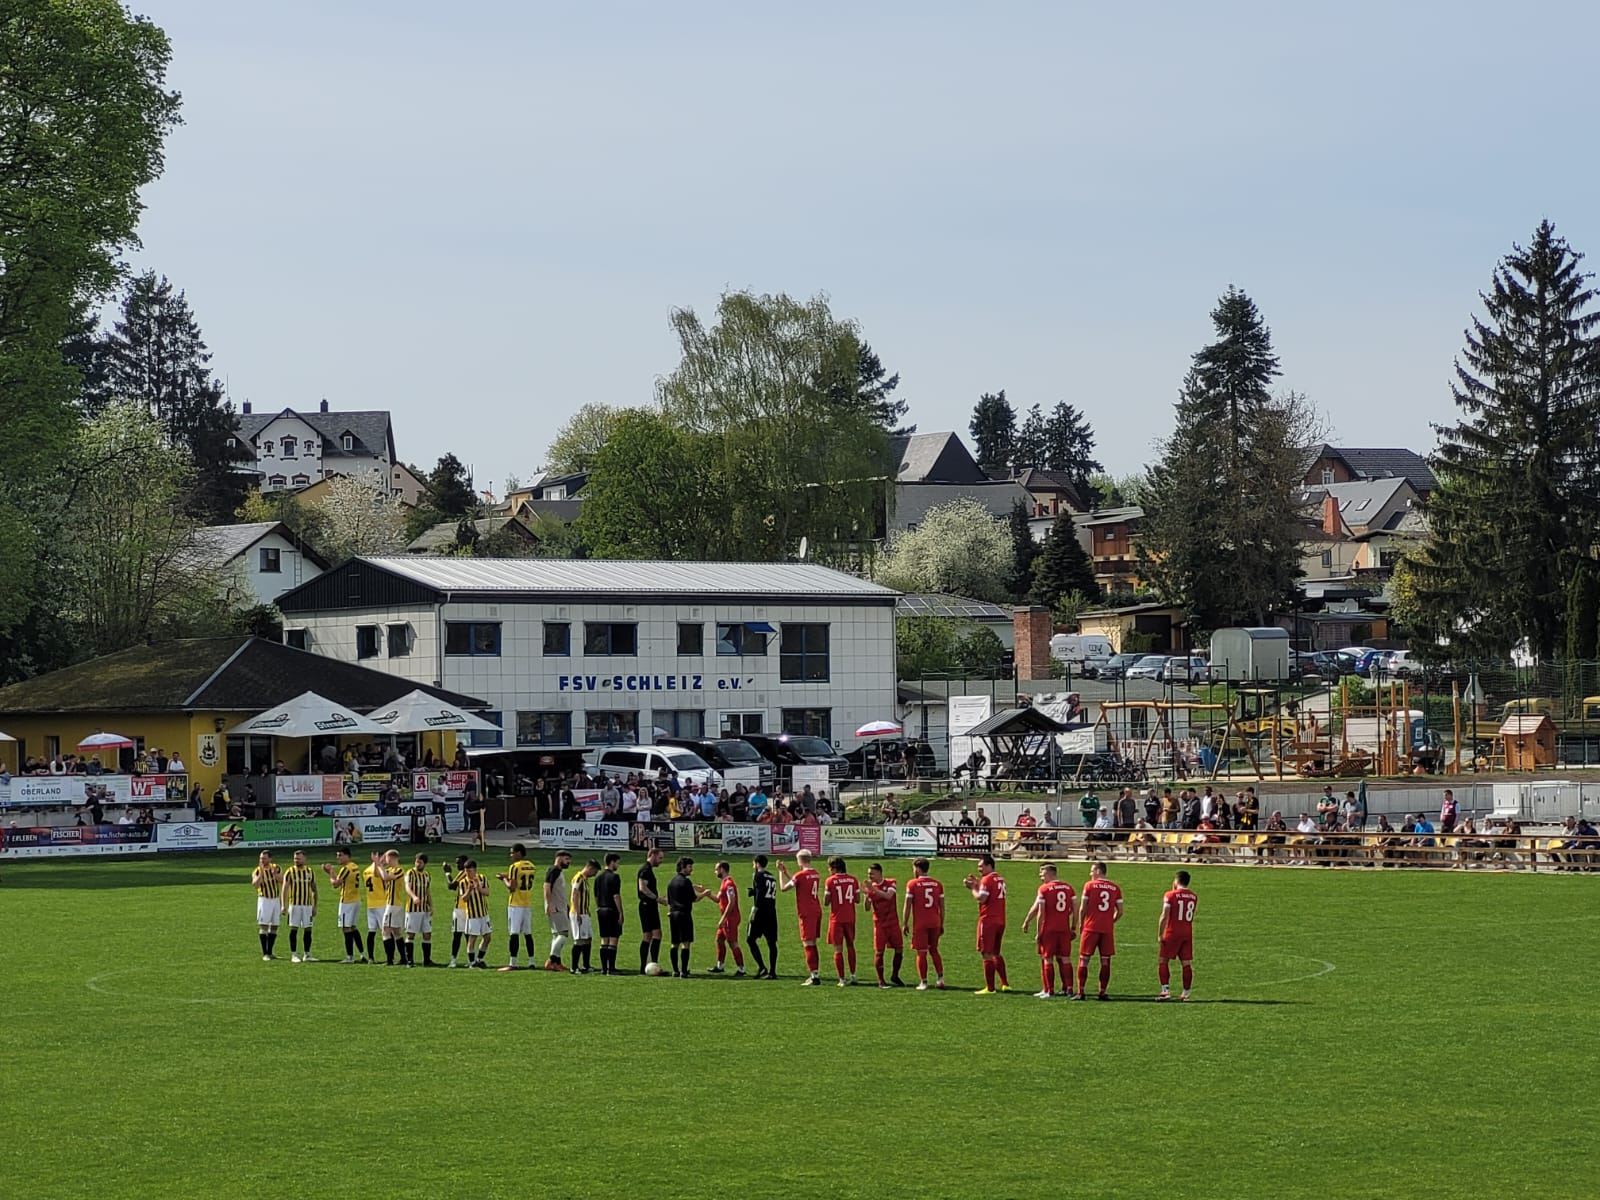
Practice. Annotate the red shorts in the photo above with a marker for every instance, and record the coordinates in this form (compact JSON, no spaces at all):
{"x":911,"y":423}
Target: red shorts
{"x":886,"y":935}
{"x":989,"y":937}
{"x":925,"y":937}
{"x":810,"y":924}
{"x":1093,"y":940}
{"x":728,"y":931}
{"x":839,"y":931}
{"x":1180,"y":947}
{"x":1055,"y":945}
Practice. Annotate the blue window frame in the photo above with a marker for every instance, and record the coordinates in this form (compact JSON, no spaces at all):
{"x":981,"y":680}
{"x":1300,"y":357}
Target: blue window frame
{"x":544,"y":729}
{"x":557,"y":639}
{"x":609,"y":639}
{"x":483,"y":737}
{"x":803,"y":654}
{"x":472,"y":639}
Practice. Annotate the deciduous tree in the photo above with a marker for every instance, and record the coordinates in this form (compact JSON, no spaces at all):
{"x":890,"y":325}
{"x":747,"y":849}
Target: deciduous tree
{"x":957,"y":548}
{"x":363,"y":515}
{"x":579,"y":441}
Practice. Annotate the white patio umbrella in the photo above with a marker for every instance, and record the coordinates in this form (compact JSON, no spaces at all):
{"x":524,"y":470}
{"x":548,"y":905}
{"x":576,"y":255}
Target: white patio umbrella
{"x":6,"y":737}
{"x":307,"y":716}
{"x":418,"y":712}
{"x":106,"y":741}
{"x":879,"y":729}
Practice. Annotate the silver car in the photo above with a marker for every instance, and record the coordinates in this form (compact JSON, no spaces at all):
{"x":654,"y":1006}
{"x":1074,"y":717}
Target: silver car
{"x":1149,"y":667}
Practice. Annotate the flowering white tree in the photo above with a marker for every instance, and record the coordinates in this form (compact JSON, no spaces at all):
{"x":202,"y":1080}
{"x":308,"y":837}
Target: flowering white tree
{"x":958,"y":548}
{"x":364,"y":516}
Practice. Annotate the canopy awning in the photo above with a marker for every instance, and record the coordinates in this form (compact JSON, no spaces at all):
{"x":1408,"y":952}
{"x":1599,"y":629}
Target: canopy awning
{"x":418,"y":712}
{"x":307,"y":715}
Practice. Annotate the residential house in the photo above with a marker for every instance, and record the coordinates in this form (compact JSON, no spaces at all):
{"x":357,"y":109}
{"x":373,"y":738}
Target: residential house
{"x":1111,"y":538}
{"x":934,"y":458}
{"x":405,"y":486}
{"x":548,"y":495}
{"x":293,"y":449}
{"x":1378,"y":550}
{"x":257,"y":562}
{"x":443,"y":537}
{"x":1333,"y":464}
{"x":1053,"y":492}
{"x":1163,"y":628}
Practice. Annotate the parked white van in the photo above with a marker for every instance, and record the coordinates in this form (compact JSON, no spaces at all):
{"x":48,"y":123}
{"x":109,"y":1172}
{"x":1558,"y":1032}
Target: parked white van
{"x":651,"y":760}
{"x":1081,"y":649}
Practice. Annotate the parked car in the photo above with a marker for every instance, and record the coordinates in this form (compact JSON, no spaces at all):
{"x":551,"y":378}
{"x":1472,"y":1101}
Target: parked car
{"x":727,"y":754}
{"x":1117,"y":666}
{"x":1361,"y":658}
{"x":882,"y":758}
{"x":652,"y":760}
{"x":1085,"y":653}
{"x":1149,"y":667}
{"x":1193,"y":669}
{"x":786,"y":751}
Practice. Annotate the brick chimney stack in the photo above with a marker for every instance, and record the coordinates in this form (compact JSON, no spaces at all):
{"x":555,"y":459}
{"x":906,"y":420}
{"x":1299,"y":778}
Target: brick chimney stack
{"x":1331,"y":524}
{"x":1031,"y":633}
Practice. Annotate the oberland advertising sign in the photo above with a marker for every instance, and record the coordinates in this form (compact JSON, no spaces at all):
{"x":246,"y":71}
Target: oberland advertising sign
{"x":650,"y":683}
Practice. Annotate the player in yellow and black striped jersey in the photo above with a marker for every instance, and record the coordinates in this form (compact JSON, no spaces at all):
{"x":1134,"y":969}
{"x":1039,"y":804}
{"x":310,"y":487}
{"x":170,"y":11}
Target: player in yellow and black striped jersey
{"x":578,"y":908}
{"x":267,"y":880}
{"x":346,"y":878}
{"x":473,"y":891}
{"x":389,"y":875}
{"x":458,"y":913}
{"x":519,"y":879}
{"x":419,"y":913}
{"x":300,"y":897}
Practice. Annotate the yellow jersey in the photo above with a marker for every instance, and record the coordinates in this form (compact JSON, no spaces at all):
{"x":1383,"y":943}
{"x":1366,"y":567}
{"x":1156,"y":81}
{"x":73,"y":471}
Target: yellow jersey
{"x":373,"y":886}
{"x":268,"y":882}
{"x":417,"y":881}
{"x":521,"y":875}
{"x":300,"y":885}
{"x":578,"y":898}
{"x":347,"y":879}
{"x":474,"y":897}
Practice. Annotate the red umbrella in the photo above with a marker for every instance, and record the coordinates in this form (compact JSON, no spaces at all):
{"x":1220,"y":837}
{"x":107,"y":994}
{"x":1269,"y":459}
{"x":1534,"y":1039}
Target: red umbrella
{"x":879,"y":729}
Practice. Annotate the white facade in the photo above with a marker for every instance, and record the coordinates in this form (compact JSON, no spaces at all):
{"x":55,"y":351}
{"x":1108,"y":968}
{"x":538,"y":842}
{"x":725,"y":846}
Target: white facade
{"x":288,"y":453}
{"x":550,"y":700}
{"x":268,"y":569}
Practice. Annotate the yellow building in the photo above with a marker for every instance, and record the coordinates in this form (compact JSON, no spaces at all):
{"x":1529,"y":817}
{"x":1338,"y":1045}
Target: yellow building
{"x":182,"y":697}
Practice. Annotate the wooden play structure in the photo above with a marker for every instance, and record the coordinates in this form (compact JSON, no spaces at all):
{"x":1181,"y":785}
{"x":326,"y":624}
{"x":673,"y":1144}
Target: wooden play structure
{"x":1157,"y":749}
{"x":1530,"y":742}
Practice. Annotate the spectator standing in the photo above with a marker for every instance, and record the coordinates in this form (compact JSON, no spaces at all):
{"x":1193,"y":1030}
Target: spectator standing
{"x":1447,"y":812}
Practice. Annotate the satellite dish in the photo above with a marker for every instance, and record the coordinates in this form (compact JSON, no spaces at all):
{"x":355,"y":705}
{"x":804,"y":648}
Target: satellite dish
{"x":805,"y":545}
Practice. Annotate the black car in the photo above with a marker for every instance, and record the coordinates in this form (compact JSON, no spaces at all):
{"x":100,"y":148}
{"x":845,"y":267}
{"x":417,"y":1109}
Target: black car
{"x":786,"y":751}
{"x":727,"y":754}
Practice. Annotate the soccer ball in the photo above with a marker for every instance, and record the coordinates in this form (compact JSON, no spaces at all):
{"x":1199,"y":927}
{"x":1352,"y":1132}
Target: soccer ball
{"x":652,"y":968}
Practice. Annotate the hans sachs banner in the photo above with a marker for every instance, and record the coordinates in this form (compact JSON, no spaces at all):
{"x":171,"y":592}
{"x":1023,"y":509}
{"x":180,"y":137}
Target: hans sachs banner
{"x":959,"y":841}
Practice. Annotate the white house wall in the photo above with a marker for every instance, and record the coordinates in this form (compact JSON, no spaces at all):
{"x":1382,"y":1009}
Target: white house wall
{"x":255,"y":586}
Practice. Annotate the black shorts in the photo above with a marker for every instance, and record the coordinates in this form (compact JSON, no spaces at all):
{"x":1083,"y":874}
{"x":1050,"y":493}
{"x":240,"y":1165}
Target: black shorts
{"x":764,"y":925}
{"x":649,"y":918}
{"x":609,"y":921}
{"x":682,"y":928}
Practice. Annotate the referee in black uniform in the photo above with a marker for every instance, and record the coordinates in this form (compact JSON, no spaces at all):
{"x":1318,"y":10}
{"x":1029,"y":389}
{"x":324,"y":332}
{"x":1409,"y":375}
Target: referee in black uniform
{"x":763,"y":919}
{"x":608,"y":912}
{"x":682,"y":892}
{"x":649,"y":909}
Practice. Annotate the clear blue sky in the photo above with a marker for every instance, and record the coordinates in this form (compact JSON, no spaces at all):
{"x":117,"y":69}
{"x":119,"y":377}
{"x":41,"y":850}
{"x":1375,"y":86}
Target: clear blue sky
{"x":479,"y":216}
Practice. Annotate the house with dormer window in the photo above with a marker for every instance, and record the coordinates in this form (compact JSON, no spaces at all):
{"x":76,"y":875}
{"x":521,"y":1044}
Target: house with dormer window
{"x":294,"y":449}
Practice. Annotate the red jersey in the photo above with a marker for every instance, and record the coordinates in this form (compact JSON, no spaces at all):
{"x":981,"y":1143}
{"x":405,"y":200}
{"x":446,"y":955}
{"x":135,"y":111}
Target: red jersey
{"x":1180,"y":904}
{"x":926,"y":895}
{"x":844,"y":893}
{"x":806,"y":900}
{"x":992,"y":899}
{"x":1055,"y":907}
{"x":728,"y":901}
{"x":883,"y":907}
{"x":1100,"y":897}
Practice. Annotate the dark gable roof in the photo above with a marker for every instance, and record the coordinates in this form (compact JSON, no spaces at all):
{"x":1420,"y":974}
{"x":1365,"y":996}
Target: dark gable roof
{"x":1385,"y":463}
{"x":230,"y":674}
{"x":371,"y":429}
{"x":1038,"y":480}
{"x":933,"y":458}
{"x":1015,"y":722}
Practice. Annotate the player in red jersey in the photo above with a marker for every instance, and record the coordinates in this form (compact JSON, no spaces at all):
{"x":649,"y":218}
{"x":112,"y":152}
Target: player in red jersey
{"x":1098,"y":912}
{"x":989,"y":890}
{"x":1176,"y":933}
{"x":1053,"y":908}
{"x":923,"y":918}
{"x":885,"y":925}
{"x":806,"y":885}
{"x":728,"y":923}
{"x":843,"y":892}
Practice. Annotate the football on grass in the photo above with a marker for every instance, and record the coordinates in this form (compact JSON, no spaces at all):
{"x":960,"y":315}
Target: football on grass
{"x":652,"y":968}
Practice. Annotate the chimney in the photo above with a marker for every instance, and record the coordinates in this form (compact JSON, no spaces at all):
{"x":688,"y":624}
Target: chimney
{"x":1331,"y":525}
{"x":245,"y":409}
{"x":1031,"y":634}
{"x":324,"y":406}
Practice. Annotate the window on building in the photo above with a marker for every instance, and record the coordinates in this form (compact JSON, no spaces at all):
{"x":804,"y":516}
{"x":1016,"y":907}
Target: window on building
{"x":1388,"y":558}
{"x":233,"y":443}
{"x":1327,"y":558}
{"x":473,"y":639}
{"x":809,"y":722}
{"x":302,"y":480}
{"x":746,"y":639}
{"x":348,"y":442}
{"x":488,"y":737}
{"x":52,"y":745}
{"x":606,"y":638}
{"x":611,"y":728}
{"x":557,"y":639}
{"x":1327,"y":475}
{"x":737,"y":724}
{"x":400,"y":641}
{"x":544,"y":729}
{"x":299,"y":639}
{"x":367,"y":641}
{"x":289,"y":445}
{"x":266,"y":447}
{"x":680,"y":722}
{"x":803,"y":654}
{"x":691,"y":638}
{"x":1110,"y":535}
{"x":271,"y":560}
{"x":276,"y":481}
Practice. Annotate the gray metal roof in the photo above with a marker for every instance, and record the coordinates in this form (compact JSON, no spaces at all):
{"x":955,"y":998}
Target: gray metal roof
{"x":941,"y":604}
{"x":563,"y":576}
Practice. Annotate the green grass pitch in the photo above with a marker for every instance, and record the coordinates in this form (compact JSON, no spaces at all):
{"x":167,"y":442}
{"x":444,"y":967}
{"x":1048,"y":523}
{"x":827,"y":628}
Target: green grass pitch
{"x":1355,"y":1034}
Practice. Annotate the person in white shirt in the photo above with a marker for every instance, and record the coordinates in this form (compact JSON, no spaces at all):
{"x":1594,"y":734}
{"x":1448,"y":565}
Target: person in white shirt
{"x":175,"y":766}
{"x":630,"y":802}
{"x":642,"y":804}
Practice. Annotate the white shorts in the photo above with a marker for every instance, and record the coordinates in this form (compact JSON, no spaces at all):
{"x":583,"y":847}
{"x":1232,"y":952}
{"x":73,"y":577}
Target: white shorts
{"x":374,"y":919}
{"x":519,"y":920}
{"x":419,"y":922}
{"x":300,"y":916}
{"x":349,"y":915}
{"x":582,"y":928}
{"x":458,"y":920}
{"x":560,"y":924}
{"x":394,"y":917}
{"x":268,"y":911}
{"x":477,"y":926}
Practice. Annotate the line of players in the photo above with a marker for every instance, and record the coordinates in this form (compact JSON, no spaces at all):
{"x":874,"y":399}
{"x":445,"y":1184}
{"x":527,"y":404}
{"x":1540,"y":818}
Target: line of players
{"x":399,"y":908}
